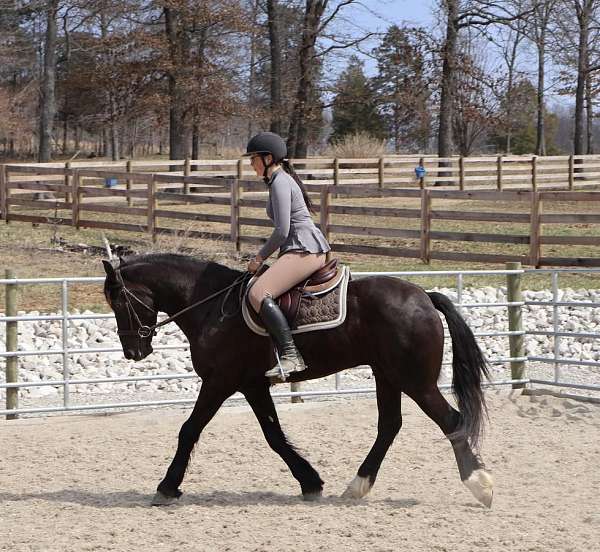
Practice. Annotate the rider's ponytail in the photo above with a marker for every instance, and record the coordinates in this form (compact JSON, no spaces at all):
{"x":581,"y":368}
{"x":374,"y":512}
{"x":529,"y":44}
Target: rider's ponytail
{"x":288,"y":168}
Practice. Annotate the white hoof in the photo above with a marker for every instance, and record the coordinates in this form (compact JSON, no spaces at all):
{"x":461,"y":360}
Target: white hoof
{"x":481,"y":484}
{"x":358,"y":487}
{"x":163,"y":500}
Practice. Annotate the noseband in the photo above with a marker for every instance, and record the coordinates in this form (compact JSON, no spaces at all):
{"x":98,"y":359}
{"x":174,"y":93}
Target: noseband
{"x":142,"y":330}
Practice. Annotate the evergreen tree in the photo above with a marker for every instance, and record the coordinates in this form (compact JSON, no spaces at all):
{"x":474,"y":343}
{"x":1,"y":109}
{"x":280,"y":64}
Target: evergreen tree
{"x":523,"y":124}
{"x":354,"y":106}
{"x":403,"y":86}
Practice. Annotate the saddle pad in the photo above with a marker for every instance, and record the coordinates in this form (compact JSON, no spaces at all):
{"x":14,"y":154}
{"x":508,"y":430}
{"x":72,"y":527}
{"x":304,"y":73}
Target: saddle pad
{"x":319,"y":311}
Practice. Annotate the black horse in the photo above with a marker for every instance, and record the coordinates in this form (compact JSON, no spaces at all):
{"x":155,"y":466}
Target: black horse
{"x":391,"y":325}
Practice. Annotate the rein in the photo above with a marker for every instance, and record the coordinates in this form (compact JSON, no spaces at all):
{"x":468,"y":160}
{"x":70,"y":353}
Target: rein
{"x":144,"y":331}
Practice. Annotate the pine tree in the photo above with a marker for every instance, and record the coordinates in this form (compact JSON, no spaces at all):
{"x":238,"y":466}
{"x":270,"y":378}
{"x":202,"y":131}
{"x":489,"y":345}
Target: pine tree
{"x":354,"y":107}
{"x":403,"y":86}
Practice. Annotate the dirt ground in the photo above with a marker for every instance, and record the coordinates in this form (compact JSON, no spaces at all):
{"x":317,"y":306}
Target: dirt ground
{"x":85,"y":482}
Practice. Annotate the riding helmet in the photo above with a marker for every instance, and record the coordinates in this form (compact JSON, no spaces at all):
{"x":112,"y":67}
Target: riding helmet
{"x":267,"y":142}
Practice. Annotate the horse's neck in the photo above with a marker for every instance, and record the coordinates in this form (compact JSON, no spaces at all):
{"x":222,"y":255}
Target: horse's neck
{"x":176,"y":287}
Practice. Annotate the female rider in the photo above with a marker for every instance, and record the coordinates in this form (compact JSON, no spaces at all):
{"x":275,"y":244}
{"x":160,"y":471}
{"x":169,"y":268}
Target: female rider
{"x":302,"y":246}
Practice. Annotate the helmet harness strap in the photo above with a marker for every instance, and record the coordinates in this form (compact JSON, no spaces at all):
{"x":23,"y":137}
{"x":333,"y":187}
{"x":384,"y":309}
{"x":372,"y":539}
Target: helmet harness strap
{"x":263,"y":156}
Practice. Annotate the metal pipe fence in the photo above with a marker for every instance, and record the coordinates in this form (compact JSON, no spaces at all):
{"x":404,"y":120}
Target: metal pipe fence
{"x":513,"y":334}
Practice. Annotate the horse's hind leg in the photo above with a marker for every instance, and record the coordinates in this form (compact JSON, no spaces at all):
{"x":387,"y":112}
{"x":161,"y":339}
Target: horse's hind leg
{"x":470,"y":467}
{"x":261,"y":403}
{"x":388,"y":426}
{"x":210,"y":399}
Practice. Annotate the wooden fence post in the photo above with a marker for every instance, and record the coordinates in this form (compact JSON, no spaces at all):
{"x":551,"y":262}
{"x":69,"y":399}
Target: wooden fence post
{"x":240,"y":169}
{"x":381,"y":172}
{"x":535,"y":230}
{"x":128,"y":183}
{"x":324,"y":215}
{"x":461,"y":173}
{"x":151,"y":202}
{"x":186,"y":172}
{"x":67,"y":182}
{"x":235,"y":213}
{"x":336,"y":171}
{"x":12,"y":363}
{"x":75,"y":199}
{"x":571,"y":172}
{"x":515,"y":324}
{"x":499,"y":173}
{"x":534,"y":161}
{"x":3,"y":191}
{"x":425,"y":226}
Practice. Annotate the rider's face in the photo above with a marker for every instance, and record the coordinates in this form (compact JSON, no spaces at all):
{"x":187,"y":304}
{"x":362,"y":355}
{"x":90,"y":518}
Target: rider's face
{"x":256,"y":161}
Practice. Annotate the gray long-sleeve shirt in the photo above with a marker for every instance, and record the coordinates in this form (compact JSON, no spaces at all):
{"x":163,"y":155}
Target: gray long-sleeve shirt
{"x":294,"y":227}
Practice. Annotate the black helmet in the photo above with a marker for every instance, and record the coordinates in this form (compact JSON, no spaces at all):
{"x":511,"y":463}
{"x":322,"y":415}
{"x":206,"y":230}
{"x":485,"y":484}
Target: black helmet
{"x":267,"y":142}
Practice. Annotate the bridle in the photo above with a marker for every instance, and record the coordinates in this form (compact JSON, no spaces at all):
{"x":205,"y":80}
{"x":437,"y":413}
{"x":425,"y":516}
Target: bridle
{"x":143,"y":331}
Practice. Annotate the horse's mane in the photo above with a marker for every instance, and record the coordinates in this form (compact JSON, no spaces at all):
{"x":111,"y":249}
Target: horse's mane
{"x":183,"y":267}
{"x":176,"y":259}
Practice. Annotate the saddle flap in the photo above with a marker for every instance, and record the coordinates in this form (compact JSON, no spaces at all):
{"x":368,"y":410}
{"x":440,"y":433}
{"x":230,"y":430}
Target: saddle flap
{"x":293,"y":300}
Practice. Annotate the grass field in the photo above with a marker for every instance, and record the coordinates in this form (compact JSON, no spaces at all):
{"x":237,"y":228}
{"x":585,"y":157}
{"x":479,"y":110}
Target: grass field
{"x":34,"y":251}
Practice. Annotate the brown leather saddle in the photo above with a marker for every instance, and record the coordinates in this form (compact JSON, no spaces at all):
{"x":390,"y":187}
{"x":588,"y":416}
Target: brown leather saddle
{"x":327,"y":277}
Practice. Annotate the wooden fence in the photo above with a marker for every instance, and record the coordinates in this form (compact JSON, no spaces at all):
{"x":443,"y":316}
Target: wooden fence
{"x":411,"y":224}
{"x":490,"y":172}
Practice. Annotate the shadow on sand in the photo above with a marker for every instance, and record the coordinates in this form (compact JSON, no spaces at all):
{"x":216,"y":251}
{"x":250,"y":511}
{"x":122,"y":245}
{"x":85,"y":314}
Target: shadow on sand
{"x":135,"y":499}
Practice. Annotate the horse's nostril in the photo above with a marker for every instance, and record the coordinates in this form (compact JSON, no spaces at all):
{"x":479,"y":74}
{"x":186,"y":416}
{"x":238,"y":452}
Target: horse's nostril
{"x":129,"y":354}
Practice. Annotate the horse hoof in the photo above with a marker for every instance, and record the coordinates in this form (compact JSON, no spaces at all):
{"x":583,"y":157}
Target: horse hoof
{"x":481,"y":484}
{"x":358,"y":487}
{"x":313,"y":496}
{"x":161,"y":499}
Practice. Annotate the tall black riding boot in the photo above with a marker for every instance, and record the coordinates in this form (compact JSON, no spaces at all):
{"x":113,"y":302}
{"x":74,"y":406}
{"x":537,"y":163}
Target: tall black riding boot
{"x":276,"y":324}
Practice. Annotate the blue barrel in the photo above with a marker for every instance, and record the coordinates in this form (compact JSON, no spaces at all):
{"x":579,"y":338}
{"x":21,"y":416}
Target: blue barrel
{"x":420,"y":171}
{"x":110,"y":182}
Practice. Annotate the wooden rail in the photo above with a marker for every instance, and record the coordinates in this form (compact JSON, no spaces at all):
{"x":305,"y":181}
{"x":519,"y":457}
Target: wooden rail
{"x":423,"y":225}
{"x":529,"y":172}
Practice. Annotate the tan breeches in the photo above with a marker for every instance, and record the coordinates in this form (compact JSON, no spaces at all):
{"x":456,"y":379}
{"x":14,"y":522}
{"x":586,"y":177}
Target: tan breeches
{"x":287,"y":271}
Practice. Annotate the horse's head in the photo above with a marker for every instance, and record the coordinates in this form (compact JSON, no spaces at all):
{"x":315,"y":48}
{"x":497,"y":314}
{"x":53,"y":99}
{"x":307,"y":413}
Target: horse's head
{"x":133,"y":305}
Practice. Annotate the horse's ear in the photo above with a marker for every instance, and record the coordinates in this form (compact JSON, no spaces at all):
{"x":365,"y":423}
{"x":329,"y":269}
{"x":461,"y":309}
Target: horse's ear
{"x":110,"y":267}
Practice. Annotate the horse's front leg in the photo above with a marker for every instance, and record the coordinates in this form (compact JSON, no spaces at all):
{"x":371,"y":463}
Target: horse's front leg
{"x":210,"y":399}
{"x":261,"y":402}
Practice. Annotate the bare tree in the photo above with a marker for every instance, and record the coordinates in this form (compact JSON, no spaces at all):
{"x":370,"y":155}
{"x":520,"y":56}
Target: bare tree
{"x":318,"y":16}
{"x":475,"y":109}
{"x":275,"y":72}
{"x":48,"y":83}
{"x":509,"y":40}
{"x":538,"y":28}
{"x":585,"y":11}
{"x":462,"y":14}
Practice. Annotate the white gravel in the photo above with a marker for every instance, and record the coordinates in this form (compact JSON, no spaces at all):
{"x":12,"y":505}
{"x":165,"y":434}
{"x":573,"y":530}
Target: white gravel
{"x":47,"y":335}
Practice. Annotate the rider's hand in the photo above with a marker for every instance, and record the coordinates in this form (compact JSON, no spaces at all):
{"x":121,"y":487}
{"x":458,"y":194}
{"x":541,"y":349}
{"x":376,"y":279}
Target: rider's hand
{"x":254,"y":264}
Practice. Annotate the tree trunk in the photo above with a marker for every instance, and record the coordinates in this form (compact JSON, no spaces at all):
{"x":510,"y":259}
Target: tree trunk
{"x":589,"y":107}
{"x":47,"y":96}
{"x":583,"y":13}
{"x":114,"y":130}
{"x":540,"y":148}
{"x":195,"y":142}
{"x":297,"y":143}
{"x":275,"y":74}
{"x":448,"y":81}
{"x":65,"y":139}
{"x":133,"y":139}
{"x":176,"y":37}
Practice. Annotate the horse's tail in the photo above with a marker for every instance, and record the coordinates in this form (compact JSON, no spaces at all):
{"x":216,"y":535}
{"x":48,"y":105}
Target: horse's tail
{"x":468,"y":367}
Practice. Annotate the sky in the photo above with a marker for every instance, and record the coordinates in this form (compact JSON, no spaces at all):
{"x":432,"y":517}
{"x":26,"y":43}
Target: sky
{"x":378,"y":15}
